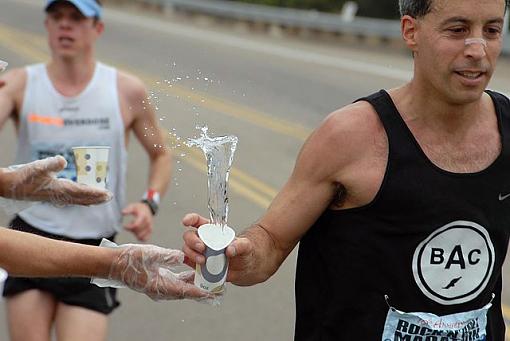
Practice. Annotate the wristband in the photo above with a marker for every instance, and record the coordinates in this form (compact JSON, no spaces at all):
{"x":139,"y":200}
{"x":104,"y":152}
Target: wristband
{"x":152,"y":199}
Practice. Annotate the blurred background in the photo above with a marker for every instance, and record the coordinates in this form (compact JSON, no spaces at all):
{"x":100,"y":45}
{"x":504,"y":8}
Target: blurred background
{"x":267,"y":71}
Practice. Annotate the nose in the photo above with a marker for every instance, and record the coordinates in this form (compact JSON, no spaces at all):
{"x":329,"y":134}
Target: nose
{"x":475,"y":47}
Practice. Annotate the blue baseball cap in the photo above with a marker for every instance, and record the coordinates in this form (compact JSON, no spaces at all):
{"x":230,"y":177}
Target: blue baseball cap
{"x":89,"y":8}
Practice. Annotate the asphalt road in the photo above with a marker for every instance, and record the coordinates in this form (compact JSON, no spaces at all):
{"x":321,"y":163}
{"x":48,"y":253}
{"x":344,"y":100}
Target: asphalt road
{"x":270,"y":92}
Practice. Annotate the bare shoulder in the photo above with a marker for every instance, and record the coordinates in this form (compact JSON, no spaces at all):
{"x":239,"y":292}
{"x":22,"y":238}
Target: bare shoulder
{"x":344,"y":140}
{"x":15,"y":81}
{"x":131,"y":88}
{"x":351,"y":128}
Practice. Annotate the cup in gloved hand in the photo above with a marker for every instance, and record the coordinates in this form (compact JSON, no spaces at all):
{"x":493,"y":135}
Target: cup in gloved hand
{"x":92,"y":165}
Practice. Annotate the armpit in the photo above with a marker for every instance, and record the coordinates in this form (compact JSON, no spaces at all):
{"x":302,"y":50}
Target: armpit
{"x":339,"y":196}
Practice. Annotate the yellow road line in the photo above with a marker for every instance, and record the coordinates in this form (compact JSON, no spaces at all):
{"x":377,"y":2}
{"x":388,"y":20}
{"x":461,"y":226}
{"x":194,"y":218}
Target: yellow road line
{"x":242,"y":183}
{"x":209,"y":102}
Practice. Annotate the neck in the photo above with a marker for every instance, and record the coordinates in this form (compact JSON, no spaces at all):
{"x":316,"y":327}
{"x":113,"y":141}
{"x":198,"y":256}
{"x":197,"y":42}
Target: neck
{"x":71,"y":71}
{"x":419,"y":104}
{"x":70,"y":76}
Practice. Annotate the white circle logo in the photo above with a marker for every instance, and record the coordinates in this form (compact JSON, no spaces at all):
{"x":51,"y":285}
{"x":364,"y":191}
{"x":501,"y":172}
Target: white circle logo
{"x":454,"y":264}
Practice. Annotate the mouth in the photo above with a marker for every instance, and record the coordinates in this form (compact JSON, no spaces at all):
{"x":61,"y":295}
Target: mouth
{"x":66,"y":40}
{"x":471,"y":75}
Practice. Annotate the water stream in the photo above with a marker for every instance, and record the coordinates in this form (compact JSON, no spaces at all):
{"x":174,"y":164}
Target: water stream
{"x":219,"y":154}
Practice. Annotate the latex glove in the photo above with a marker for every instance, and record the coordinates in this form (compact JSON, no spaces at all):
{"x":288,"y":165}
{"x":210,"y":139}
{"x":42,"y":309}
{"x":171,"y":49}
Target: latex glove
{"x":36,"y":181}
{"x":152,"y":270}
{"x":143,"y":221}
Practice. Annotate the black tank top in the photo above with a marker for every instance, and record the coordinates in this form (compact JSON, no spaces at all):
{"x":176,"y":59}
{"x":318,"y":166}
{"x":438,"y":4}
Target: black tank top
{"x":432,"y":240}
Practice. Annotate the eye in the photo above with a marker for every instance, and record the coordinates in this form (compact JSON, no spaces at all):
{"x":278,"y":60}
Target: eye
{"x":457,"y":30}
{"x":55,"y":16}
{"x":493,"y":32}
{"x":76,"y":17}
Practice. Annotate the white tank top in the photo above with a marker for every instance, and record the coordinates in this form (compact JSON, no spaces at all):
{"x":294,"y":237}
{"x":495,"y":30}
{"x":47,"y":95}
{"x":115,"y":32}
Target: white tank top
{"x":51,"y":124}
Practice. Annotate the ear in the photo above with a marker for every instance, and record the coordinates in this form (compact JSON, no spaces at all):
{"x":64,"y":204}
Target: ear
{"x":409,"y":28}
{"x":99,"y":27}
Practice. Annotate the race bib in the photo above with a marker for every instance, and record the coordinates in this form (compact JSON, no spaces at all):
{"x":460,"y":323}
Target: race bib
{"x":468,"y":326}
{"x":41,"y":150}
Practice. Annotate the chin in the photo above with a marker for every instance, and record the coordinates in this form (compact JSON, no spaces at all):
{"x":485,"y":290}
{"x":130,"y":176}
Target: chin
{"x":466,"y":96}
{"x":66,"y":54}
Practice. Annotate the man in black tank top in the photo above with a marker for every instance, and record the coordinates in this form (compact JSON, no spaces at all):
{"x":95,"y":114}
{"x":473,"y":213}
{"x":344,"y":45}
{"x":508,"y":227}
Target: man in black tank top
{"x":400,"y":201}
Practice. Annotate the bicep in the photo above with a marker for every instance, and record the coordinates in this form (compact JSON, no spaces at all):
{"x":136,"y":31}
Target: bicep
{"x":7,"y":106}
{"x":15,"y":81}
{"x":306,"y":195}
{"x":145,"y":126}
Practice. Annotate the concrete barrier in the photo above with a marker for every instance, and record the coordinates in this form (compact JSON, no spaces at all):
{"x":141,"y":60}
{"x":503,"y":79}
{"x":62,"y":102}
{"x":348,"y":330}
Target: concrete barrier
{"x":278,"y":20}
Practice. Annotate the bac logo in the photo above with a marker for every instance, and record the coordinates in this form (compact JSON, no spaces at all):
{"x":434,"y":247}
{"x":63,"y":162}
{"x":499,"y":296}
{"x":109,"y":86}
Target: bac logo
{"x":454,"y":264}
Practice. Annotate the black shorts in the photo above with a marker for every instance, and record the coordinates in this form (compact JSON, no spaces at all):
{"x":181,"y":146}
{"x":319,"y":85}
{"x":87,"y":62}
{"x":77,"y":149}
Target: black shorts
{"x":72,"y":291}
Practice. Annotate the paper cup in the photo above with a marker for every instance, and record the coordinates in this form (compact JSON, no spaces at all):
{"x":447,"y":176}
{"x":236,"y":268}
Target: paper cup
{"x":3,"y":277}
{"x":211,"y":276}
{"x":91,"y":165}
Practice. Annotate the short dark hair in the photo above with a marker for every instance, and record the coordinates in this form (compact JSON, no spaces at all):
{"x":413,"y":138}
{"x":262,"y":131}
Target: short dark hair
{"x":420,"y":8}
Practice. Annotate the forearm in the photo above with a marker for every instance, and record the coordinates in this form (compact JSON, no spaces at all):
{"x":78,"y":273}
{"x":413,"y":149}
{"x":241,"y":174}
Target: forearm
{"x":160,"y":171}
{"x":24,"y":254}
{"x":267,"y":255}
{"x":4,"y":183}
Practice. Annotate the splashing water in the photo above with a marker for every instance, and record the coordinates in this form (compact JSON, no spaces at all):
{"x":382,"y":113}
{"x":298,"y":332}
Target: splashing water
{"x":3,"y":65}
{"x":219,"y":153}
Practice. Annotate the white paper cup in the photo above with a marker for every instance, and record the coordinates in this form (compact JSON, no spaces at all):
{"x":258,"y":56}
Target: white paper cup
{"x":211,"y":276}
{"x":91,"y":165}
{"x":3,"y":277}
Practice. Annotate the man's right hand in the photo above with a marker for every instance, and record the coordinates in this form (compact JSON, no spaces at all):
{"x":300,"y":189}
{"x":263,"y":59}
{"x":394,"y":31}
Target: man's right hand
{"x":242,"y":261}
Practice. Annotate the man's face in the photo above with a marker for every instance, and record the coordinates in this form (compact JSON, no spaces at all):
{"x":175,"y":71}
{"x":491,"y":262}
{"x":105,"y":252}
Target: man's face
{"x":70,"y":33}
{"x":457,"y":71}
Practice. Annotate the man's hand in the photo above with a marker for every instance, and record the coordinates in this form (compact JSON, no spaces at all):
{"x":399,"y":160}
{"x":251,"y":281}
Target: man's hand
{"x":36,"y":181}
{"x":152,"y":270}
{"x":142,"y":223}
{"x":240,"y":253}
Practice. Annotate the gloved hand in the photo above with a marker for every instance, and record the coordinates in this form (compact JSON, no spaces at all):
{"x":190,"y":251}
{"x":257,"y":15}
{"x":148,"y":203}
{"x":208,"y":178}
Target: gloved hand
{"x":152,"y":270}
{"x":36,"y":181}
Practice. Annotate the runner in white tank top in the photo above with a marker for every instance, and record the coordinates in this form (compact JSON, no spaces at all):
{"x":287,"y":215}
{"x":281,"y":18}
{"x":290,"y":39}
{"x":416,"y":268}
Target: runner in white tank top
{"x":51,"y":124}
{"x":74,"y":100}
